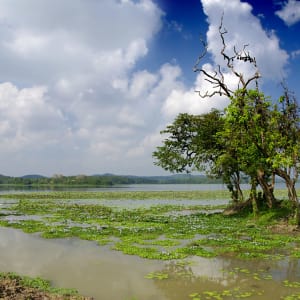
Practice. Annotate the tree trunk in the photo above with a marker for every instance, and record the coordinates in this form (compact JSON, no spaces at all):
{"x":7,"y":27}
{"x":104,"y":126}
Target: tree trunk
{"x":268,"y":190}
{"x":290,"y":184}
{"x":239,"y":192}
{"x":292,"y":193}
{"x":253,"y":197}
{"x":234,"y":186}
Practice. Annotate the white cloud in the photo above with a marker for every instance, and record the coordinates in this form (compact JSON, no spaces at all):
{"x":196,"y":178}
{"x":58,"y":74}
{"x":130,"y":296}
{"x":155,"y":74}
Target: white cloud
{"x":27,"y":44}
{"x":71,"y":100}
{"x":49,"y":41}
{"x":81,"y":108}
{"x":26,"y":117}
{"x":189,"y":100}
{"x":290,"y":13}
{"x":244,"y":29}
{"x":142,"y":82}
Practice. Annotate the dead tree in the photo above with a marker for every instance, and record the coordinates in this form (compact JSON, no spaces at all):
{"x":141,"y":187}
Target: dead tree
{"x":216,"y":79}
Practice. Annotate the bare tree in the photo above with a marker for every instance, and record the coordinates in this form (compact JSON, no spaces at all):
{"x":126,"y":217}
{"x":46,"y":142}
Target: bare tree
{"x":216,"y":79}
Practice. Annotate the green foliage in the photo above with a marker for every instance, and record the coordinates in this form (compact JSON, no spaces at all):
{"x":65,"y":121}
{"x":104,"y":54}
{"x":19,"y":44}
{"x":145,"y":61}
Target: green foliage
{"x":191,"y":144}
{"x":159,"y":232}
{"x":50,"y":197}
{"x":254,"y":137}
{"x":40,"y":284}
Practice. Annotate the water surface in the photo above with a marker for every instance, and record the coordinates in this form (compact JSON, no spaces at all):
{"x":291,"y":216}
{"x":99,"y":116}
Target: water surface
{"x":104,"y":274}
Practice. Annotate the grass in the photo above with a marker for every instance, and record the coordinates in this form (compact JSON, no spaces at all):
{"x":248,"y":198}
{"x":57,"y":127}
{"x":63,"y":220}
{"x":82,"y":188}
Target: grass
{"x":38,"y":284}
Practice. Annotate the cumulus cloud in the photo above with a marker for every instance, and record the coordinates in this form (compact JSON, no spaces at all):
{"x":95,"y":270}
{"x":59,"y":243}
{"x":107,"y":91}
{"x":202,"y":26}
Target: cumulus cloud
{"x":290,"y":12}
{"x":71,"y":98}
{"x":28,"y":120}
{"x":55,"y":39}
{"x":63,"y":62}
{"x":142,"y":82}
{"x":243,"y":29}
{"x":190,"y":101}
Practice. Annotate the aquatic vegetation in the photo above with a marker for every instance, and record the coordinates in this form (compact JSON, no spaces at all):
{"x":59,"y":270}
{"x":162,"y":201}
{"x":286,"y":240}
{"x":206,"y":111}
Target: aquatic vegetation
{"x":235,"y":293}
{"x":134,"y":195}
{"x":292,"y":297}
{"x":257,"y":275}
{"x":40,"y":284}
{"x":156,"y":232}
{"x":183,"y":235}
{"x":287,"y":283}
{"x":148,"y":252}
{"x":157,"y":275}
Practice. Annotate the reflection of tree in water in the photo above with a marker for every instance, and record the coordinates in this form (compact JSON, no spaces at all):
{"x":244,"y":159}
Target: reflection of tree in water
{"x":256,"y":276}
{"x":289,"y":269}
{"x":205,"y":274}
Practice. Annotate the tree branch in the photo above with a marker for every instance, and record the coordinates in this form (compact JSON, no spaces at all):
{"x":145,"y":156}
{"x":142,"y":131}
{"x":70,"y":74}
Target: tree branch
{"x":217,"y":79}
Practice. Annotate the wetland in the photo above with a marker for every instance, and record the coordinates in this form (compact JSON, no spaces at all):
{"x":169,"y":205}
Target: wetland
{"x":161,"y":244}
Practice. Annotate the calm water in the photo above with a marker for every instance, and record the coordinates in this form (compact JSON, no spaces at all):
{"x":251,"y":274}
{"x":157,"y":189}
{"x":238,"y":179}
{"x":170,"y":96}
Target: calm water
{"x":105,"y":274}
{"x":130,"y":187}
{"x":110,"y":275}
{"x":136,"y":187}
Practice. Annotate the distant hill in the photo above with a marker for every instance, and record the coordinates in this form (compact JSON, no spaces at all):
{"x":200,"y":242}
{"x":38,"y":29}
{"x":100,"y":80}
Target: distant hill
{"x":162,"y":179}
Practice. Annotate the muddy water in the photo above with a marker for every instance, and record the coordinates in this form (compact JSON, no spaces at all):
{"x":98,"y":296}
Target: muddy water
{"x":106,"y":274}
{"x":73,"y":263}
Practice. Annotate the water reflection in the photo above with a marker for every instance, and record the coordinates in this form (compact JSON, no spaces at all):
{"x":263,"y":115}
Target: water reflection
{"x":73,"y":263}
{"x":105,"y":274}
{"x":230,"y":278}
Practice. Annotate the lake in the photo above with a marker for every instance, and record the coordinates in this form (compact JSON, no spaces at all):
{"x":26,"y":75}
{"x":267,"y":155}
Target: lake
{"x":129,"y":187}
{"x":103,"y":273}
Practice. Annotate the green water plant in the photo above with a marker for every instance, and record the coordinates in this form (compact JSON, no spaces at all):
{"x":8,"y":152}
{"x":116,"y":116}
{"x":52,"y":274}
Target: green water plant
{"x":39,"y":284}
{"x":157,"y":275}
{"x":154,"y":232}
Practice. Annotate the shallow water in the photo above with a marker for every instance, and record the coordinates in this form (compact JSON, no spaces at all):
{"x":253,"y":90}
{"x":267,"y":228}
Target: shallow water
{"x":73,"y":263}
{"x":125,"y":187}
{"x":131,"y":204}
{"x":105,"y":274}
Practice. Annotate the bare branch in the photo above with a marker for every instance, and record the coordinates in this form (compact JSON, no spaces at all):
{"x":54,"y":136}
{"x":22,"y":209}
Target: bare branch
{"x":217,"y":79}
{"x":203,"y":54}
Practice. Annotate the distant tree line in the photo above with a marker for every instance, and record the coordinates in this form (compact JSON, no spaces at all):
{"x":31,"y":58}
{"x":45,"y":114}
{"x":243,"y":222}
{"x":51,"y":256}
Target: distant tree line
{"x":103,"y":180}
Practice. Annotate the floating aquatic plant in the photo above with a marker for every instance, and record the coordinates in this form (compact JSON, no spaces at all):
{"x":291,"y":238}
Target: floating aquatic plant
{"x":157,"y":275}
{"x":157,"y":232}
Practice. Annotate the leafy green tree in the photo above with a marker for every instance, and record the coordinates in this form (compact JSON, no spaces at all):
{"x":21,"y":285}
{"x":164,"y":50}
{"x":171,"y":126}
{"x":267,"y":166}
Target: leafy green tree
{"x":254,"y":137}
{"x":193,"y":144}
{"x":285,"y":145}
{"x":247,"y":130}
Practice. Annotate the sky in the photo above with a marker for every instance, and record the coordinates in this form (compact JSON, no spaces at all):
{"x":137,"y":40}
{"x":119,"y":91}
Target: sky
{"x":86,"y":86}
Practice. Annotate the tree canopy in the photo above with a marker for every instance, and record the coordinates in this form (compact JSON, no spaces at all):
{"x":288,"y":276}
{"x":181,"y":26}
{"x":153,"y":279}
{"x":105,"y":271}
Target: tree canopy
{"x":255,"y":136}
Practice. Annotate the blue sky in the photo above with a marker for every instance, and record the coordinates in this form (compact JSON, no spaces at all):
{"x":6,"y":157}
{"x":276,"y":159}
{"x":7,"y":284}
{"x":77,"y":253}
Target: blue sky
{"x":86,"y":86}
